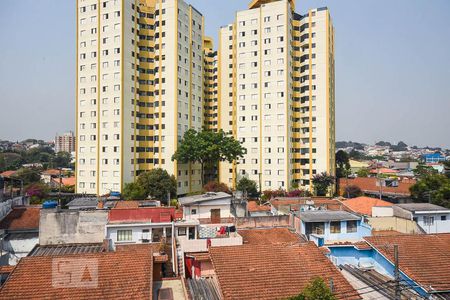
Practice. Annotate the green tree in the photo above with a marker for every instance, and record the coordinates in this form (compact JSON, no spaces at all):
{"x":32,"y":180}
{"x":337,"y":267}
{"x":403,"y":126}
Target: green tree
{"x":322,"y":183}
{"x":352,"y":191}
{"x":317,"y":289}
{"x":447,"y":168}
{"x":208,"y":147}
{"x":342,"y":164}
{"x":28,"y":175}
{"x":422,"y":170}
{"x":248,"y":186}
{"x":134,"y":191}
{"x":433,"y":188}
{"x":61,"y":160}
{"x":157,"y":183}
{"x":363,"y":172}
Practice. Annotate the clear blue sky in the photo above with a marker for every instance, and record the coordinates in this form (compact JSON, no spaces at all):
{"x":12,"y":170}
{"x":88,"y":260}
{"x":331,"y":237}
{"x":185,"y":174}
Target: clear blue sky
{"x":392,"y":67}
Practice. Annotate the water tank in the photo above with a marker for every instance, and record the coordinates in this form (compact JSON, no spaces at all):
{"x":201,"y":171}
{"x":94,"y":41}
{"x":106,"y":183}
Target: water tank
{"x":50,"y":204}
{"x":114,"y":194}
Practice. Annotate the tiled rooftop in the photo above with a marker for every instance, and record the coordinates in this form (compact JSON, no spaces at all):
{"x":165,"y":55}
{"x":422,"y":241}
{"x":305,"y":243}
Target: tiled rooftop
{"x":274,"y":271}
{"x":121,"y":275}
{"x":369,"y":184}
{"x":142,"y":214}
{"x":269,"y":236}
{"x":253,"y":206}
{"x":21,"y":218}
{"x":424,"y":258}
{"x":363,"y":205}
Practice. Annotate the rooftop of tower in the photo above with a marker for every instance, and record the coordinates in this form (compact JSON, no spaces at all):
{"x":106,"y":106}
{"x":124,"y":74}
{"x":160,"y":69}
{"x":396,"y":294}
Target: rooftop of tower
{"x":258,"y":3}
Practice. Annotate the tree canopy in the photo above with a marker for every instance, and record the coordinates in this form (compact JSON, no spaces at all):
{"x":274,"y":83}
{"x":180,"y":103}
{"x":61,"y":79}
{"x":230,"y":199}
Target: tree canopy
{"x":342,"y":164}
{"x":433,"y":188}
{"x":207,"y":146}
{"x":248,"y":186}
{"x":156,"y":183}
{"x":317,"y":289}
{"x":322,"y":183}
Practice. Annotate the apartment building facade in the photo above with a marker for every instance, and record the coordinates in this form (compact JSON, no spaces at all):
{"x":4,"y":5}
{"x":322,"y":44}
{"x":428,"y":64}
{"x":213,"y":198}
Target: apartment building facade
{"x":276,"y":93}
{"x":146,"y":74}
{"x":65,"y":142}
{"x":139,"y":88}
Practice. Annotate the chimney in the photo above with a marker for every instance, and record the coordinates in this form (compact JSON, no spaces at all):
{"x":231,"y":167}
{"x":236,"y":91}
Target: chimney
{"x":100,"y":204}
{"x":106,"y":245}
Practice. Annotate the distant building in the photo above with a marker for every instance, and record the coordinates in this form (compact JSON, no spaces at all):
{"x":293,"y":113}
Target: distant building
{"x":431,"y":218}
{"x":433,"y":158}
{"x":65,"y":142}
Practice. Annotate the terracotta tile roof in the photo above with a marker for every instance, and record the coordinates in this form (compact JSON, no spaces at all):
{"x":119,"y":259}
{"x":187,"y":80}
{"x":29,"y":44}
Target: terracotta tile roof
{"x":199,"y":256}
{"x":363,"y":205}
{"x":121,"y":275}
{"x":21,"y":218}
{"x":269,"y":236}
{"x":425,"y":258}
{"x":127,"y":204}
{"x":253,"y":206}
{"x":386,"y":232}
{"x":383,"y":171}
{"x":6,"y":269}
{"x":66,"y":181}
{"x":143,"y":214}
{"x":8,"y":173}
{"x":369,"y":184}
{"x":273,"y":271}
{"x":51,"y":172}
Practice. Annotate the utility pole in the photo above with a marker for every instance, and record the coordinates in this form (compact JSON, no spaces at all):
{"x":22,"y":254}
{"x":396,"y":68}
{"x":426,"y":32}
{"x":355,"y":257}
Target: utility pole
{"x":398,"y":295}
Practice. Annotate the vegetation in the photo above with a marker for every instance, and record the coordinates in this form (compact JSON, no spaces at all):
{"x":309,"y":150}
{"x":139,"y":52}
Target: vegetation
{"x":342,"y":164}
{"x":208,"y":147}
{"x":363,"y":172}
{"x":317,"y":289}
{"x":421,"y":171}
{"x":214,"y":186}
{"x":352,"y":191}
{"x":28,"y":175}
{"x":248,"y":186}
{"x":322,"y":183}
{"x":37,"y":192}
{"x":156,"y":183}
{"x":433,"y":188}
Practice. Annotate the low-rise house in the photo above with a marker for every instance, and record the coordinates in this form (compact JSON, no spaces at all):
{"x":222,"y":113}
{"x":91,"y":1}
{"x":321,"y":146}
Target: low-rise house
{"x":260,"y":271}
{"x":327,"y":227}
{"x":20,"y":233}
{"x":256,"y":210}
{"x":424,"y":262}
{"x":430,"y":217}
{"x":364,"y":205}
{"x":140,"y":225}
{"x":390,"y":188}
{"x":211,"y":206}
{"x":48,"y":175}
{"x":285,"y":205}
{"x":63,"y":182}
{"x":70,"y":226}
{"x":129,"y":273}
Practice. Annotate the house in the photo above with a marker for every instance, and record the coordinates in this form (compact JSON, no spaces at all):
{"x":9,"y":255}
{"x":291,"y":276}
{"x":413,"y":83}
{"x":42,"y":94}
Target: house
{"x":256,"y":210}
{"x":63,"y":182}
{"x":211,"y":207}
{"x":48,"y":175}
{"x":284,"y":205}
{"x":390,"y":188}
{"x":433,"y":158}
{"x":129,"y":273}
{"x":430,"y":217}
{"x":20,"y":233}
{"x":141,"y":225}
{"x":424,"y":262}
{"x":364,"y":205}
{"x":356,"y":166}
{"x":274,"y":271}
{"x":327,"y":226}
{"x":70,"y":226}
{"x":384,"y":171}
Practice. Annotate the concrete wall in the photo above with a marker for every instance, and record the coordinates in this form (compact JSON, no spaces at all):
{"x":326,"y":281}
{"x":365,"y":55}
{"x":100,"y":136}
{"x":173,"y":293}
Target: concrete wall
{"x":268,"y":221}
{"x":200,"y":245}
{"x":16,"y":248}
{"x":437,"y":226}
{"x":204,"y":211}
{"x":64,"y":226}
{"x":382,"y":211}
{"x":394,"y":223}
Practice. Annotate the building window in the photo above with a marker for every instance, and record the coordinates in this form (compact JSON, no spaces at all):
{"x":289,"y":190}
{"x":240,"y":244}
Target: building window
{"x":443,"y":218}
{"x":181,"y":231}
{"x":427,"y":220}
{"x":335,"y":227}
{"x":124,"y":235}
{"x":351,"y":226}
{"x":193,"y":212}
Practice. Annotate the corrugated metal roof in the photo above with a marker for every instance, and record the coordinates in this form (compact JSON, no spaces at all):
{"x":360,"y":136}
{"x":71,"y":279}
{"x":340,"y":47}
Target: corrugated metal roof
{"x":327,"y":216}
{"x":51,"y":250}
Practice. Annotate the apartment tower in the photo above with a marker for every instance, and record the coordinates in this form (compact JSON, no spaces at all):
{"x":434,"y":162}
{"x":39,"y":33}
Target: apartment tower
{"x":139,"y":88}
{"x":276,"y":93}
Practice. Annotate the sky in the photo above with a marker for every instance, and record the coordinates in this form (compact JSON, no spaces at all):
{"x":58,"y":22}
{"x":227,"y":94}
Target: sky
{"x":392,"y":67}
